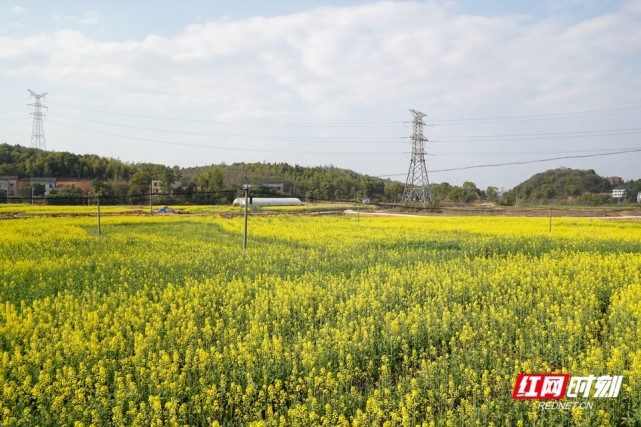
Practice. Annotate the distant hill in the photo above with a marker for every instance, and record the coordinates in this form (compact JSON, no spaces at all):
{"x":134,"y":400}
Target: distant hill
{"x":121,"y":179}
{"x":25,"y":162}
{"x":128,"y":182}
{"x":561,"y":183}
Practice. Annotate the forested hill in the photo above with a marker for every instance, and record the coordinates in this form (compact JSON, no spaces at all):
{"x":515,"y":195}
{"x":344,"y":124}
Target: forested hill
{"x":115,"y":177}
{"x":112,"y":177}
{"x":25,"y":162}
{"x":562,"y":183}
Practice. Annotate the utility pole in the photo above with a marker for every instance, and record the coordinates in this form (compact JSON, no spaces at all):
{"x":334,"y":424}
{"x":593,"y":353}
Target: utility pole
{"x":38,"y":130}
{"x":98,"y":203}
{"x":246,"y":187}
{"x":151,"y":190}
{"x":417,"y":186}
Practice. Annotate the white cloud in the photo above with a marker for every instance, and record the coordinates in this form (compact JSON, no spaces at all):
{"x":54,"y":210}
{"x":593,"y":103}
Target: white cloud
{"x":633,"y":7}
{"x":5,"y":28}
{"x":91,"y":17}
{"x":343,"y":56}
{"x":18,"y":9}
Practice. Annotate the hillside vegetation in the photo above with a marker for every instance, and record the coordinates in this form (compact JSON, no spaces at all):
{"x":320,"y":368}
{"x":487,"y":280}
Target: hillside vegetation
{"x":116,"y":178}
{"x":562,"y":182}
{"x":218,"y":183}
{"x":565,"y":184}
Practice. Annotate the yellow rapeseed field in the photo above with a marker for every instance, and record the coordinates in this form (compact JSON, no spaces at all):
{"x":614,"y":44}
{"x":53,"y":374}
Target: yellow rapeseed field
{"x":326,"y":320}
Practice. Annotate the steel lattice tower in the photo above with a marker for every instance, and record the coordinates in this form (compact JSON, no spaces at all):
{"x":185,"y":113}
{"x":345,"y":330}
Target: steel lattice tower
{"x":38,"y":131}
{"x":417,"y":186}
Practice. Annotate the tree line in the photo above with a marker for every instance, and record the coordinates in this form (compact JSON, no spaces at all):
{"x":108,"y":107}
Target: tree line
{"x":123,"y":182}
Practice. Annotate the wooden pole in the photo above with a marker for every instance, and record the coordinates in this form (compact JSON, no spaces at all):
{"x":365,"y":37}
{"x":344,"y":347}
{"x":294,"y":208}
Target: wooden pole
{"x":98,"y":203}
{"x":245,"y":227}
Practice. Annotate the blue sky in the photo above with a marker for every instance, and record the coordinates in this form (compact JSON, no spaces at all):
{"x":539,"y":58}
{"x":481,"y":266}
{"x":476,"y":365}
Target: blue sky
{"x":317,"y":82}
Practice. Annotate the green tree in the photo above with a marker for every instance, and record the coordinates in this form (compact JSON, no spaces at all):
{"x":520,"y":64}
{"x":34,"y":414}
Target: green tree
{"x":441,"y":191}
{"x":457,"y":194}
{"x":471,"y":191}
{"x":492,"y":194}
{"x":38,"y":189}
{"x":393,"y":191}
{"x":65,"y":196}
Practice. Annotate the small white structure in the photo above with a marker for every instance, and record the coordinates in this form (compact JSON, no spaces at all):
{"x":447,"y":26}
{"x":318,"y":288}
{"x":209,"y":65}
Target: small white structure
{"x":155,"y":186}
{"x":618,"y":192}
{"x":269,"y":201}
{"x":639,"y":197}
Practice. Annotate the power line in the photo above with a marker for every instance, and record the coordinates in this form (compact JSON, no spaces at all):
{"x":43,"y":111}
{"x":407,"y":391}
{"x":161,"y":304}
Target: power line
{"x":618,"y":110}
{"x":11,"y":103}
{"x":251,"y":150}
{"x":525,"y":153}
{"x":379,"y":139}
{"x":526,"y":136}
{"x":13,"y":109}
{"x":236,"y":136}
{"x":634,"y":150}
{"x":544,"y":115}
{"x":253,"y":123}
{"x":14,"y":119}
{"x":536,"y":136}
{"x":636,"y":130}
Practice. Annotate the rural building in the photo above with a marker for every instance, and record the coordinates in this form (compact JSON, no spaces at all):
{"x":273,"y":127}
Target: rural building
{"x":277,"y":187}
{"x":639,"y":197}
{"x":48,"y":183}
{"x":269,"y":201}
{"x":615,"y":180}
{"x":155,"y":186}
{"x":9,"y":184}
{"x":83,"y":184}
{"x":618,"y":192}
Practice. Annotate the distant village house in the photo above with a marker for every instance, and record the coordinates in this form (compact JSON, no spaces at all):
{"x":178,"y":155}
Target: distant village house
{"x":615,"y":180}
{"x":83,"y":184}
{"x":156,"y":187}
{"x":12,"y":185}
{"x":48,"y":183}
{"x":9,"y":184}
{"x":618,"y":192}
{"x":277,"y":187}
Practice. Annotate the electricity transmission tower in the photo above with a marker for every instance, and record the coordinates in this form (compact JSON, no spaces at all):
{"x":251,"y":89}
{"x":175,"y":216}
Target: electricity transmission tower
{"x":38,"y":131}
{"x":417,"y":186}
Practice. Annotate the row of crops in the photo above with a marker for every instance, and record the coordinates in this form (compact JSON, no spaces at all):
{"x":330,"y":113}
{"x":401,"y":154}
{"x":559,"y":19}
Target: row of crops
{"x":325,"y":321}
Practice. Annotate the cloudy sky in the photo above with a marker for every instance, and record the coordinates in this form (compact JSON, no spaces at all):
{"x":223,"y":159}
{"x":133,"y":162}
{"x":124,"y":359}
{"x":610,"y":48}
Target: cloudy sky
{"x":317,"y":82}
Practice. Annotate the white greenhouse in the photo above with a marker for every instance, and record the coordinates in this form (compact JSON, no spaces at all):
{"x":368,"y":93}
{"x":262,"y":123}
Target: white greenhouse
{"x":269,"y":201}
